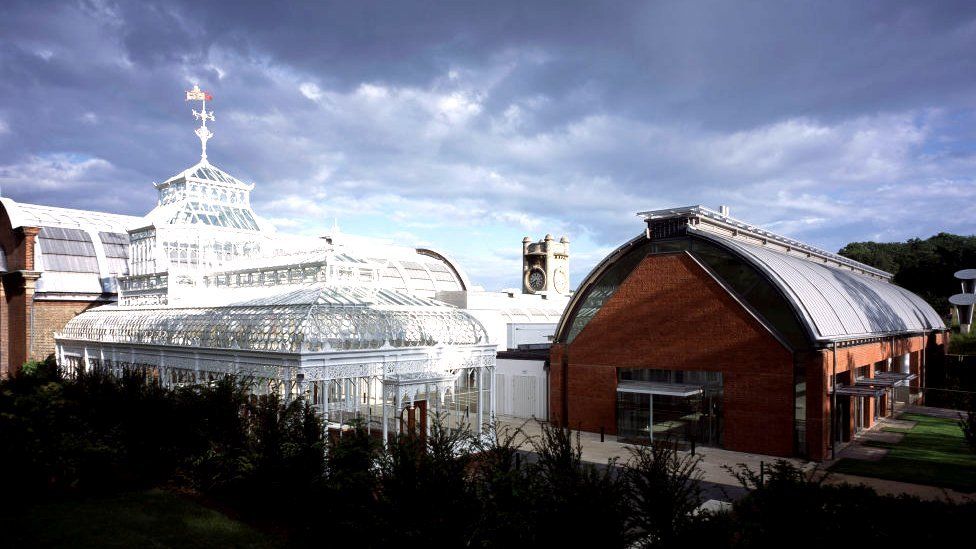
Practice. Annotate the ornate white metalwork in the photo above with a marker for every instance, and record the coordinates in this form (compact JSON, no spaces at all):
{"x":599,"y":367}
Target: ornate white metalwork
{"x":311,"y":319}
{"x":204,"y":133}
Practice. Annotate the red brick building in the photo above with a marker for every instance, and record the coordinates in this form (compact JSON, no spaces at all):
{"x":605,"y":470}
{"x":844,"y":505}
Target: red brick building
{"x":711,"y":331}
{"x":54,"y":263}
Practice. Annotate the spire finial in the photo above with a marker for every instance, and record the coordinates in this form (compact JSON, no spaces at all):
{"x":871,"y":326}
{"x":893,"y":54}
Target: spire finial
{"x":196,"y":94}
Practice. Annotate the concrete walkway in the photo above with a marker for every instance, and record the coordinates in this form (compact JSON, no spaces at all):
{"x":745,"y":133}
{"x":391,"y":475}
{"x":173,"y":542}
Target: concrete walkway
{"x":717,"y":482}
{"x":946,"y":413}
{"x":720,"y":485}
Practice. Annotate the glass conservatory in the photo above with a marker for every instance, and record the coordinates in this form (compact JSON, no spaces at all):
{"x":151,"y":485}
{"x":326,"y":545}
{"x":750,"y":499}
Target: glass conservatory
{"x":379,"y":356}
{"x":212,"y":289}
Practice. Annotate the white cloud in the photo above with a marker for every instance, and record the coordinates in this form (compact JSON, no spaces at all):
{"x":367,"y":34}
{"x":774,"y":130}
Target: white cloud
{"x":472,"y":156}
{"x":458,"y":107}
{"x":385,"y":151}
{"x":53,"y":172}
{"x":435,"y":162}
{"x":310,"y":90}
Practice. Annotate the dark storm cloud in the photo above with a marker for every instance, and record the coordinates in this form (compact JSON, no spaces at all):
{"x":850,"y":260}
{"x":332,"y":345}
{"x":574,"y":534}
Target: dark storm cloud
{"x":829,"y":120}
{"x":730,"y":63}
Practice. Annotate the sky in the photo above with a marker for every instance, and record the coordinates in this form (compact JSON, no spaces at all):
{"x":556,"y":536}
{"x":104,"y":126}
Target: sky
{"x":464,"y":126}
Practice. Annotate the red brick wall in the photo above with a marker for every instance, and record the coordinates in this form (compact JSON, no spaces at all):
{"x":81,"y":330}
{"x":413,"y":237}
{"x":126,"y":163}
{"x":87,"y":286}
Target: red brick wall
{"x":18,"y":246}
{"x":15,"y":323}
{"x":821,"y":366}
{"x":671,"y":314}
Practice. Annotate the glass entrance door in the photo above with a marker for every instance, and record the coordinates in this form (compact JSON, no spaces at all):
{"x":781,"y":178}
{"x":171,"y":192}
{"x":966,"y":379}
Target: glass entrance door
{"x":643,"y":418}
{"x":683,"y":406}
{"x":634,"y":417}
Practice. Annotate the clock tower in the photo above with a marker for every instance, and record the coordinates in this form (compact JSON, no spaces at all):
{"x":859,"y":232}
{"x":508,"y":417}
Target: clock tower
{"x":545,"y":266}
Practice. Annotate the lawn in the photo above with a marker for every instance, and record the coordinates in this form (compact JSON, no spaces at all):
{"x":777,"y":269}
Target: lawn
{"x":140,"y":519}
{"x":933,"y":452}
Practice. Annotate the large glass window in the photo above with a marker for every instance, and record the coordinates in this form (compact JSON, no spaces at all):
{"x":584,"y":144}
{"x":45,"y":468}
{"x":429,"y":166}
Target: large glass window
{"x":684,"y":406}
{"x":605,"y":287}
{"x":746,"y":282}
{"x":800,"y":407}
{"x":743,"y":279}
{"x":754,"y":290}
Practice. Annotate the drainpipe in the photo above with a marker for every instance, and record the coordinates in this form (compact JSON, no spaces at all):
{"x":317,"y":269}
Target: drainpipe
{"x":30,"y":352}
{"x":545,"y":367}
{"x":833,"y":403}
{"x":923,"y":374}
{"x":565,"y":387}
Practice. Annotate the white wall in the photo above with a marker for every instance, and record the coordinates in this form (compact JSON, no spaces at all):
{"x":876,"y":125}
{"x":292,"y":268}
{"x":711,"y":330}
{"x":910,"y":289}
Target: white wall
{"x":524,"y":333}
{"x":521,"y":388}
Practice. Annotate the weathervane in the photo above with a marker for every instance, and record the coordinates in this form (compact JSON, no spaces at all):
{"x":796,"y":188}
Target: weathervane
{"x":196,"y":94}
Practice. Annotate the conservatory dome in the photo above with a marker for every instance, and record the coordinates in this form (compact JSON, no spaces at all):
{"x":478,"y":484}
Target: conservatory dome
{"x":310,"y":319}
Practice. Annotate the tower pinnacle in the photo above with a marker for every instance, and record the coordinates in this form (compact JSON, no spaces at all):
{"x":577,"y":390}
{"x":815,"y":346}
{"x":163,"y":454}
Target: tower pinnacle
{"x":196,"y":94}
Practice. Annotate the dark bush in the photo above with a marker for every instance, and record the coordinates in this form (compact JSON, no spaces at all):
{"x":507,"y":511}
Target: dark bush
{"x":266,"y":460}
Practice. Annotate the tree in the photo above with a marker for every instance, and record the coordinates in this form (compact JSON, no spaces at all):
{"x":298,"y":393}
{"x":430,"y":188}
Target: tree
{"x":663,"y":493}
{"x":424,"y":489}
{"x":925,"y":267}
{"x":574,"y":503}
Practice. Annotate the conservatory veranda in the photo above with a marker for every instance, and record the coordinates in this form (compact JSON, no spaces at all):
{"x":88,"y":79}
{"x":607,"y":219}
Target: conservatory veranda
{"x":380,"y":356}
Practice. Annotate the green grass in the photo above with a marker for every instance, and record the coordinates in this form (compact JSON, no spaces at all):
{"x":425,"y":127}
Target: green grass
{"x":140,"y":519}
{"x":933,"y":452}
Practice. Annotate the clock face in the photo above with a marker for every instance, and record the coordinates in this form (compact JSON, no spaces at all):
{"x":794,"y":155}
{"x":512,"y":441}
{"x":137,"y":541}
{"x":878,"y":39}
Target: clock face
{"x":560,"y":281}
{"x":537,"y":279}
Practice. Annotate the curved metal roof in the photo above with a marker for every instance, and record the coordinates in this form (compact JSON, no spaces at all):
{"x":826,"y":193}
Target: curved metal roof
{"x":835,"y":303}
{"x":310,"y":319}
{"x":34,"y":215}
{"x":78,"y":251}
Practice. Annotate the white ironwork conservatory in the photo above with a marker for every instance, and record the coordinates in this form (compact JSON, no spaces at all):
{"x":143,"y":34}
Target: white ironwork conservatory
{"x":351,"y":324}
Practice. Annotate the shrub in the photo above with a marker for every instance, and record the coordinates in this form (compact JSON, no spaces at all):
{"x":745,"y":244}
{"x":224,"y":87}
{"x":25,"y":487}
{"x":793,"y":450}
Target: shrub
{"x":41,"y":370}
{"x":968,"y":423}
{"x":663,"y":494}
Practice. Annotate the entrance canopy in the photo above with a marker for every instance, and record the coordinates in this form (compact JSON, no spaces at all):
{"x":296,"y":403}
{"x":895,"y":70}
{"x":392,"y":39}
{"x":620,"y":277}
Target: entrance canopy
{"x":656,"y":388}
{"x":898,"y":379}
{"x":859,"y":391}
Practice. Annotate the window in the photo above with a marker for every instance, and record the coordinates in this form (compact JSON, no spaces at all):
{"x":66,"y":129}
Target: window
{"x":605,"y":286}
{"x":654,"y":413}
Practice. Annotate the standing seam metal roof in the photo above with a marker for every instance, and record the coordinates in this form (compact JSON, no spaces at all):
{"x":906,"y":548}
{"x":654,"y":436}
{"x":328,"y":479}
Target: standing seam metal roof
{"x":834,"y":303}
{"x":77,"y":251}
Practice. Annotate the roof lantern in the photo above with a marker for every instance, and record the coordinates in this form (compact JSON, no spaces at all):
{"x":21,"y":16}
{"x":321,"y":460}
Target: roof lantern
{"x":203,"y":194}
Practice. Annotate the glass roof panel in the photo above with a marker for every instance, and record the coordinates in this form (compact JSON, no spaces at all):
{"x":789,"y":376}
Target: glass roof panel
{"x":311,"y":319}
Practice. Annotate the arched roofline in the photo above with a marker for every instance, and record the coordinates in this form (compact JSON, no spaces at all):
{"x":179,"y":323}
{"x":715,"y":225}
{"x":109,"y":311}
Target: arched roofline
{"x":19,"y":216}
{"x":15,"y":214}
{"x":623,"y":250}
{"x":309,"y":319}
{"x":584,"y":288}
{"x":451,"y":264}
{"x":799,"y":310}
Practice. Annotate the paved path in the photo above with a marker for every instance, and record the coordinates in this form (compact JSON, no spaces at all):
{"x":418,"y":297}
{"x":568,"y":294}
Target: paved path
{"x":895,"y":488}
{"x":719,"y":484}
{"x":946,"y":413}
